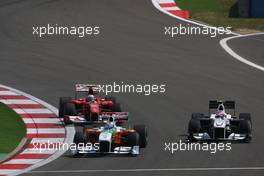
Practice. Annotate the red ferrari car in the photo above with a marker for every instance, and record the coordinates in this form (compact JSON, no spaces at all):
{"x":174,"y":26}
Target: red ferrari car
{"x":88,"y":107}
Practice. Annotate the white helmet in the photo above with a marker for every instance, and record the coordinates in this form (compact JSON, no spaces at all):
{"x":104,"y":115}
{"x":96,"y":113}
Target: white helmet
{"x":90,"y":98}
{"x":220,"y":111}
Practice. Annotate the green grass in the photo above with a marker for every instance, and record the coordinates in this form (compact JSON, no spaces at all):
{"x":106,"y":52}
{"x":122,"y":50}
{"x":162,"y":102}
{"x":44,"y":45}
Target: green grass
{"x":12,"y":129}
{"x":199,"y":5}
{"x":216,"y":13}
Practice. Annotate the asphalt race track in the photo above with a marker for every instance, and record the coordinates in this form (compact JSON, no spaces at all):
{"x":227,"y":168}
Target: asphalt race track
{"x":132,"y":48}
{"x":255,"y":45}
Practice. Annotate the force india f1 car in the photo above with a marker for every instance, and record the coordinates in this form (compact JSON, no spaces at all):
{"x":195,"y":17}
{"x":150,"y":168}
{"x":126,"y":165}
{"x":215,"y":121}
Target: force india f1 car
{"x":111,"y":138}
{"x":88,"y":108}
{"x":220,"y":125}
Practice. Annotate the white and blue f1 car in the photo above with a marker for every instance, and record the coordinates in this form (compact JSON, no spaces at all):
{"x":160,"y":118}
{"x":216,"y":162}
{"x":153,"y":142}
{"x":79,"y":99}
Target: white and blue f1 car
{"x":220,"y":125}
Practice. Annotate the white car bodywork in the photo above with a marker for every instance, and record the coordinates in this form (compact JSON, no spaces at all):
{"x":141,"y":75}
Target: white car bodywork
{"x":220,"y":122}
{"x":103,"y":118}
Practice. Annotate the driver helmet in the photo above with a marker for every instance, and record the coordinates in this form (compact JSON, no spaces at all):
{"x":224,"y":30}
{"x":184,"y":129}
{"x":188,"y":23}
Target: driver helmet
{"x":109,"y":126}
{"x":90,"y":98}
{"x":220,"y":111}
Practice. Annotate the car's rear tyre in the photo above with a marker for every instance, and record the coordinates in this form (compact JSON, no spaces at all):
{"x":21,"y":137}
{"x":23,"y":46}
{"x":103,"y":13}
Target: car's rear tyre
{"x":63,"y":101}
{"x":244,"y":127}
{"x":104,"y":147}
{"x":143,"y":135}
{"x":78,"y":138}
{"x":197,"y":115}
{"x":70,"y":109}
{"x":245,"y":116}
{"x":110,"y":98}
{"x":132,"y":139}
{"x":93,"y":117}
{"x":194,"y":126}
{"x":116,"y":107}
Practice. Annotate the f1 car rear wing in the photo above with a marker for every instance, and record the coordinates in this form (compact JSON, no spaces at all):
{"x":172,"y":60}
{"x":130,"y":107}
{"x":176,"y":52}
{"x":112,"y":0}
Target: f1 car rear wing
{"x":213,"y":104}
{"x":115,"y":115}
{"x":87,"y":88}
{"x":102,"y":119}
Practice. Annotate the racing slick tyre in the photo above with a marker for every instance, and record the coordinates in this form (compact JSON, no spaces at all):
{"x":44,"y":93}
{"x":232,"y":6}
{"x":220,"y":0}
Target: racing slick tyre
{"x":110,"y":98}
{"x":245,"y":116}
{"x":245,"y":127}
{"x":63,"y":101}
{"x":194,"y":126}
{"x":143,"y":135}
{"x":104,"y":147}
{"x":93,"y":117}
{"x":197,"y":115}
{"x":78,"y":139}
{"x":132,"y":139}
{"x":69,"y":109}
{"x":116,"y":107}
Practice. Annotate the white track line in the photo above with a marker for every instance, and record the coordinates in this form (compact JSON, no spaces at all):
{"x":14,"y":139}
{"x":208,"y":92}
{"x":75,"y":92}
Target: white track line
{"x":152,"y":170}
{"x":223,"y":42}
{"x":42,"y":120}
{"x":32,"y":130}
{"x":32,"y":111}
{"x":50,"y":140}
{"x":156,"y":4}
{"x":23,"y":161}
{"x":224,"y":45}
{"x":9,"y":171}
{"x":166,"y":1}
{"x":28,"y":120}
{"x":18,"y":101}
{"x":45,"y":130}
{"x":39,"y":151}
{"x":7,"y":92}
{"x":171,"y":8}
